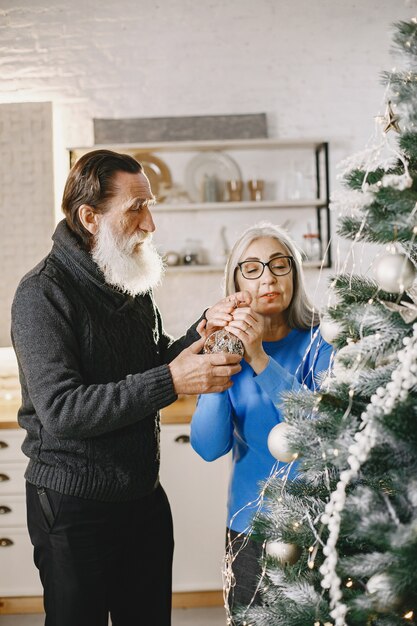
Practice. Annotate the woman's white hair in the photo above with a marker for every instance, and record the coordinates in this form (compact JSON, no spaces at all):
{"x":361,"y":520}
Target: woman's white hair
{"x":300,"y":313}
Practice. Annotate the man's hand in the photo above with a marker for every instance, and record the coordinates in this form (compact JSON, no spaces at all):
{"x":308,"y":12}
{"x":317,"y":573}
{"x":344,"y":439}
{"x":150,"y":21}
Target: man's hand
{"x":195,"y":373}
{"x":220,"y":314}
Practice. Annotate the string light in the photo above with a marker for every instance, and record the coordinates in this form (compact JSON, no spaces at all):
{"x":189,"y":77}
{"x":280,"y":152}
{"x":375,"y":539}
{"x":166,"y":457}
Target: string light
{"x":314,"y":549}
{"x":409,"y":615}
{"x":349,"y":583}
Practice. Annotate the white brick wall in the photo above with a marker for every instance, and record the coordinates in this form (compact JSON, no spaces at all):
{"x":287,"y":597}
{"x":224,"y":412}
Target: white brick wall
{"x":312,"y":65}
{"x":26,"y":196}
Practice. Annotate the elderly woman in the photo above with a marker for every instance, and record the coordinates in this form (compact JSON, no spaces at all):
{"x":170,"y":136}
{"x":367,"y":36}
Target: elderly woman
{"x":283,"y":351}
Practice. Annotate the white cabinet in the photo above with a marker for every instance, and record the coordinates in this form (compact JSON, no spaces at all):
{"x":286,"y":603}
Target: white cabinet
{"x":18,"y":574}
{"x":295,"y":178}
{"x":197,"y":492}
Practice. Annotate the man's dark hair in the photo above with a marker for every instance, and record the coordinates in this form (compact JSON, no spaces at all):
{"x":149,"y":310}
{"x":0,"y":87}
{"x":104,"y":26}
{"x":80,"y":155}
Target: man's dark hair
{"x":91,"y":181}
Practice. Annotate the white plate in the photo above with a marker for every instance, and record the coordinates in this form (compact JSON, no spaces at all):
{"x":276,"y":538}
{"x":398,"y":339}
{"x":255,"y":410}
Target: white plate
{"x":216,"y":164}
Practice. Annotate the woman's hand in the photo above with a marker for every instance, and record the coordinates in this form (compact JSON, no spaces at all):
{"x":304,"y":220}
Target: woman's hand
{"x":248,"y":326}
{"x":220,"y":314}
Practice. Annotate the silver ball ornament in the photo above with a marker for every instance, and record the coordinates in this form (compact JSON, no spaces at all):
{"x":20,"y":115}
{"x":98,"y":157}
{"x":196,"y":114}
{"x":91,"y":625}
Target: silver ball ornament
{"x":286,"y":553}
{"x":278,"y":444}
{"x":379,"y":587}
{"x":330,"y":329}
{"x":342,"y":372}
{"x":394,"y":272}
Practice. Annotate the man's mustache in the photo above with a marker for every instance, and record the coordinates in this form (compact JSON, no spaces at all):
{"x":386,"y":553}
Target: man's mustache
{"x":139,"y":237}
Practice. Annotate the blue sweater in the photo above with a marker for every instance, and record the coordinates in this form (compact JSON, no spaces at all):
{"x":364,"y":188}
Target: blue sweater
{"x":241,"y":418}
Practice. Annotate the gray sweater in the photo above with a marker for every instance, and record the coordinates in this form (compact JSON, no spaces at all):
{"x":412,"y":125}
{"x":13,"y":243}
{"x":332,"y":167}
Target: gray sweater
{"x":94,"y":374}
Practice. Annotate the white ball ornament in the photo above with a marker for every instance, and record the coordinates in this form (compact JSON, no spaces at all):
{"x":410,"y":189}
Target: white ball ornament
{"x":330,"y":329}
{"x":379,"y":587}
{"x":286,"y":553}
{"x":342,"y":372}
{"x":278,"y":443}
{"x":394,"y":272}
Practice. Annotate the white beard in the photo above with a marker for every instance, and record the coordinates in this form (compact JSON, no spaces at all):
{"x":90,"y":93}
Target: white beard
{"x":132,"y":268}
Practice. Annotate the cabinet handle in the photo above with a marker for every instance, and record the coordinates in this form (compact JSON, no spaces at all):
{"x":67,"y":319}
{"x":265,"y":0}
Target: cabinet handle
{"x":3,"y":444}
{"x":5,"y":542}
{"x":182,"y":439}
{"x":3,"y":478}
{"x":4,"y":509}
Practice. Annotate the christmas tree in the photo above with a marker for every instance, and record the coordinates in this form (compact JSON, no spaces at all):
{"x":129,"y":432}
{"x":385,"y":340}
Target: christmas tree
{"x":340,"y":541}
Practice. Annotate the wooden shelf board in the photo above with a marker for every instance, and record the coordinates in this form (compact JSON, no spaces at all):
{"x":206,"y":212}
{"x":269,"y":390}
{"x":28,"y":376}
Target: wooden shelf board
{"x":240,"y":206}
{"x":189,"y":146}
{"x":21,"y":605}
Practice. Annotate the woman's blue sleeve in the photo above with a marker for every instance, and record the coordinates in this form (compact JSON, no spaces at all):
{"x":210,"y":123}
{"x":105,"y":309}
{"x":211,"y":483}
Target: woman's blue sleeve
{"x":212,"y":426}
{"x":275,"y":379}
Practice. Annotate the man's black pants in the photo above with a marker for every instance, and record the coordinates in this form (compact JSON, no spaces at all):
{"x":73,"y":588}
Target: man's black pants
{"x":100,"y":558}
{"x":246,"y":570}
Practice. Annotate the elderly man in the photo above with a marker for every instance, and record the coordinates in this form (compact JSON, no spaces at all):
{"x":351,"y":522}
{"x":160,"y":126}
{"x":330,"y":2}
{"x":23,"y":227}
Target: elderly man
{"x":96,"y":367}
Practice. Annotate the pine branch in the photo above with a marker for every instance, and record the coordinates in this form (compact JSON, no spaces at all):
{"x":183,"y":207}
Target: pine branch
{"x":404,"y":85}
{"x":369,"y":380}
{"x":405,"y":39}
{"x":354,"y":289}
{"x":375,"y":231}
{"x":408,"y":144}
{"x":356,"y":178}
{"x":365,"y":565}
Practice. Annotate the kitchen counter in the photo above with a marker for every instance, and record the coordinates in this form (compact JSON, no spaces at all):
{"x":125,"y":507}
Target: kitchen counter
{"x":179,"y":412}
{"x":8,"y":413}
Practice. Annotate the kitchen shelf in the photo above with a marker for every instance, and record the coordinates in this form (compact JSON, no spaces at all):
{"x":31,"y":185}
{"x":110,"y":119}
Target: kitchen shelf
{"x":242,"y":205}
{"x":196,"y":268}
{"x":205,"y":145}
{"x":317,"y":206}
{"x":203,"y":268}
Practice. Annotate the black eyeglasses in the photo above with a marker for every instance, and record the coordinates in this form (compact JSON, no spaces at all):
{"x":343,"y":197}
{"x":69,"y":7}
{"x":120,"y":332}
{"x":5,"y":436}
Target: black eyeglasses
{"x":280,"y":266}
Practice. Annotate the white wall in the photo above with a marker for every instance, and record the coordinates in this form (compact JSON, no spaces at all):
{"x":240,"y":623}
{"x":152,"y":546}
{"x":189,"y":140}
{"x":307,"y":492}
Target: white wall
{"x":312,"y":65}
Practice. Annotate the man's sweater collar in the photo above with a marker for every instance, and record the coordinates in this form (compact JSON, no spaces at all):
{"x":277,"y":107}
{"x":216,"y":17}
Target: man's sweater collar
{"x":68,"y":249}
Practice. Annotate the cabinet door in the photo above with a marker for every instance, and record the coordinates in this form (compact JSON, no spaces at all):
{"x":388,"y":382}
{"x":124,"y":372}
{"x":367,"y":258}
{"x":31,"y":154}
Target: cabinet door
{"x":197,"y":492}
{"x":10,"y":445}
{"x":20,"y":576}
{"x":12,"y":510}
{"x":12,"y":478}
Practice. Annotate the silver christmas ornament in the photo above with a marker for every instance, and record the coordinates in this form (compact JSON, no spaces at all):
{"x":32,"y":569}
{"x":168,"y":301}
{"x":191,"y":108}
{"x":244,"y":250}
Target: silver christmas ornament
{"x":223,"y":341}
{"x":380,"y":589}
{"x":346,"y":365}
{"x":394,"y":272}
{"x":278,"y":444}
{"x":329,"y":329}
{"x":286,"y":553}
